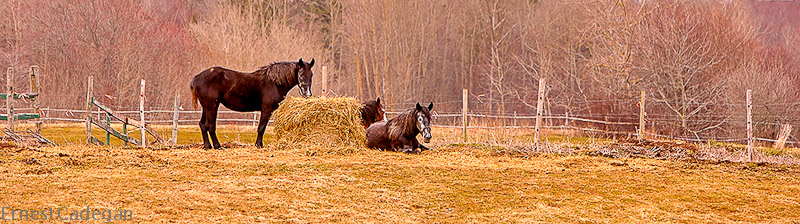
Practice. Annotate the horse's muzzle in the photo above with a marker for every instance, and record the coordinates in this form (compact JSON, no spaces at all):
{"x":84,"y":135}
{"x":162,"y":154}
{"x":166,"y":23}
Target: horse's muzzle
{"x":305,"y":91}
{"x":426,"y":136}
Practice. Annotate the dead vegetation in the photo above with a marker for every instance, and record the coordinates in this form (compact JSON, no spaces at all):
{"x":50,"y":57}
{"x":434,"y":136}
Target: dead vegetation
{"x":448,"y":184}
{"x":323,"y":122}
{"x":694,"y":73}
{"x":478,"y":182}
{"x":676,"y":150}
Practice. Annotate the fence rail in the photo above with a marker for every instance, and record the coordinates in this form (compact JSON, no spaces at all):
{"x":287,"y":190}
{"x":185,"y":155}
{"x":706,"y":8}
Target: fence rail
{"x":631,"y":124}
{"x":60,"y":115}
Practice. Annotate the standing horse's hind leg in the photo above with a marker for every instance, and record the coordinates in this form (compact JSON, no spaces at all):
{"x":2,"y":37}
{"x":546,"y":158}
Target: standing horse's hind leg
{"x":204,"y":130}
{"x":211,"y":124}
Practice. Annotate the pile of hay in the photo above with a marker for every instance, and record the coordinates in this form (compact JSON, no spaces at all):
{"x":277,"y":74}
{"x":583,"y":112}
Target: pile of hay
{"x":326,"y":122}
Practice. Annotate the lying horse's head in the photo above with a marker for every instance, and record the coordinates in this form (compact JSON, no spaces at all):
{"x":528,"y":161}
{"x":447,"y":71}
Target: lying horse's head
{"x":381,"y":112}
{"x":423,"y":115}
{"x":304,"y":75}
{"x":372,"y":112}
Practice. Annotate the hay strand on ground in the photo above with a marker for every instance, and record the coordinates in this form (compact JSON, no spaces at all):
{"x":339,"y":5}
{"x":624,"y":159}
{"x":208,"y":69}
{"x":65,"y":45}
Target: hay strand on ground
{"x":327,"y":122}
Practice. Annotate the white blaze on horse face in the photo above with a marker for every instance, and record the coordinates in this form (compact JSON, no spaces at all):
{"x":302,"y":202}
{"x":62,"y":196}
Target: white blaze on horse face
{"x":420,"y":122}
{"x":306,"y":92}
{"x":305,"y":89}
{"x":384,"y":114}
{"x":426,"y":131}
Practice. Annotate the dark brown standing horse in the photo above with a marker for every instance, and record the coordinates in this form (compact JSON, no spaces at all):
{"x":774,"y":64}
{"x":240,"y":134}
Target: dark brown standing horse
{"x":400,"y":133}
{"x":260,"y":90}
{"x":372,"y":112}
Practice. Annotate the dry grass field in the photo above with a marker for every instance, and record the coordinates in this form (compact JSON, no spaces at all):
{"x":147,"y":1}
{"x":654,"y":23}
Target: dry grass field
{"x":453,"y":183}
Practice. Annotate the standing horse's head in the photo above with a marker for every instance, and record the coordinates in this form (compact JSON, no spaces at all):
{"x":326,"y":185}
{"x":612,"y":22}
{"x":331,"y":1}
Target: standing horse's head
{"x":304,"y":75}
{"x":424,"y":121}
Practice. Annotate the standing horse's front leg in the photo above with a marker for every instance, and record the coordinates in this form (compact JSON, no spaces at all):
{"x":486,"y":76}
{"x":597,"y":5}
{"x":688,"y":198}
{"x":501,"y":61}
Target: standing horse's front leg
{"x":262,"y":125}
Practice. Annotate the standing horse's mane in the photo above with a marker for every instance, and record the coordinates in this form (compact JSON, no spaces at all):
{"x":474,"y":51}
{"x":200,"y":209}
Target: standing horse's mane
{"x":281,"y":73}
{"x":403,"y":123}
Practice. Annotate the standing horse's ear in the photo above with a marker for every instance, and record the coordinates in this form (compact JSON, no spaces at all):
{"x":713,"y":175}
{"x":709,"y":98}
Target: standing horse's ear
{"x":300,"y":62}
{"x":419,"y":107}
{"x":312,"y":63}
{"x":378,"y":100}
{"x":430,"y":107}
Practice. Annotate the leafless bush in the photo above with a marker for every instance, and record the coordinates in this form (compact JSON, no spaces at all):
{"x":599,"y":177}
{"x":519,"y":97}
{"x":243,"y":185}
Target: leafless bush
{"x":247,"y":36}
{"x":725,"y":154}
{"x":116,"y":41}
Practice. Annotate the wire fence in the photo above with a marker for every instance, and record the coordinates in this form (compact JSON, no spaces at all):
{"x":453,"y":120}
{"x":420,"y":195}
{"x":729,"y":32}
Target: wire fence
{"x":623,"y":125}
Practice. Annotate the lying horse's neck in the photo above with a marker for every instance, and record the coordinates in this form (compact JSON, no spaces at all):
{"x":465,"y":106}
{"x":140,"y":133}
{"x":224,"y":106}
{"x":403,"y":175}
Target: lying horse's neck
{"x":404,"y":124}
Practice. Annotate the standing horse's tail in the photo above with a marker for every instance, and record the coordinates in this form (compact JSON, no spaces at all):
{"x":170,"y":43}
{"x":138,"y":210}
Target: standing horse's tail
{"x":194,"y":97}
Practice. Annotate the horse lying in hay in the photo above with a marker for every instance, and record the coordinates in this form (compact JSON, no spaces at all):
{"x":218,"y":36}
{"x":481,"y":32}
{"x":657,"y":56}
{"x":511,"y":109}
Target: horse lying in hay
{"x":372,"y":112}
{"x":261,"y":90}
{"x":400,"y":133}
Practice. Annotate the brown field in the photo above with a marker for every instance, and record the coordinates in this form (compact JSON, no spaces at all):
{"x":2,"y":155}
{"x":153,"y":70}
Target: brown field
{"x":454,"y":183}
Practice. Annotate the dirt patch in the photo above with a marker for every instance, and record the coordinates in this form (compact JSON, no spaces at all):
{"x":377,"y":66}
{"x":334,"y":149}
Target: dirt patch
{"x":688,"y":152}
{"x":648,"y":149}
{"x":31,"y":161}
{"x":72,"y":162}
{"x":226,"y":145}
{"x":9,"y":147}
{"x":39,"y":171}
{"x":146,"y":159}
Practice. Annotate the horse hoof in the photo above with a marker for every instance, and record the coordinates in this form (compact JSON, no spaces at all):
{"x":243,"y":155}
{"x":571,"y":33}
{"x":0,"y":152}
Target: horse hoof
{"x":207,"y":146}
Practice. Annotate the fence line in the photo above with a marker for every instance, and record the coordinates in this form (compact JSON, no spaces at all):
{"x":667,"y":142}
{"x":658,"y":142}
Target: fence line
{"x":630,"y":124}
{"x":613,"y":123}
{"x":563,"y":117}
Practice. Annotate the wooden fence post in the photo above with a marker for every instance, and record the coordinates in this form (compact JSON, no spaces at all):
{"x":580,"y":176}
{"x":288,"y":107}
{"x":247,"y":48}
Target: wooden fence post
{"x":324,"y":80}
{"x":255,"y":121}
{"x":750,"y":150}
{"x":141,"y":115}
{"x":515,"y":120}
{"x":464,"y":108}
{"x":175,"y":118}
{"x":641,"y":117}
{"x":10,"y":98}
{"x":786,"y":130}
{"x":565,"y":127}
{"x":539,"y":110}
{"x":89,"y":110}
{"x":108,"y":133}
{"x":125,"y":131}
{"x":35,"y":100}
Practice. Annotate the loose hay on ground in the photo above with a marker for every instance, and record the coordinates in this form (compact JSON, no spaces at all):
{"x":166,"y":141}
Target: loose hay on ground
{"x":327,"y":122}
